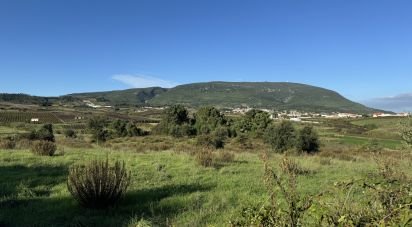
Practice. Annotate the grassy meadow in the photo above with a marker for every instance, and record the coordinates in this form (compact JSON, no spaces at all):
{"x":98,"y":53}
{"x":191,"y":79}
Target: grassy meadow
{"x":170,"y":188}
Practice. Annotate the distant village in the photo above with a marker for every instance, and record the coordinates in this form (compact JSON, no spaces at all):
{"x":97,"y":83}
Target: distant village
{"x":294,"y":115}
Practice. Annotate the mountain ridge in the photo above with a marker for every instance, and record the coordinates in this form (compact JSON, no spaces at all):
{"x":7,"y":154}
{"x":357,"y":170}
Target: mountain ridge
{"x":222,"y":94}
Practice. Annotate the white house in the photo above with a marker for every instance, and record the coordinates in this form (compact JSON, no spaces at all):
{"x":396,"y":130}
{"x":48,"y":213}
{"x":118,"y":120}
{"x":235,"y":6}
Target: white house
{"x":34,"y":120}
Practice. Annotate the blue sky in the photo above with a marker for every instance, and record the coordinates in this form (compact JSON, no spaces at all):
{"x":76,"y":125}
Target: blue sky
{"x":360,"y":48}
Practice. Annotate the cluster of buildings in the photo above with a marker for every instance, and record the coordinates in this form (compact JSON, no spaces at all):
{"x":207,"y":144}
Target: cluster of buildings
{"x":294,"y":115}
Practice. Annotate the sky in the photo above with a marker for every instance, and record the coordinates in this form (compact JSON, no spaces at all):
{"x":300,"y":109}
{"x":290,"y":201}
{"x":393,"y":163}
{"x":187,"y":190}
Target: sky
{"x":359,"y":48}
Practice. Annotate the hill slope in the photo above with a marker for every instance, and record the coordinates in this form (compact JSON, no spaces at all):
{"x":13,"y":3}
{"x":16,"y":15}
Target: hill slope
{"x":271,"y":95}
{"x":281,"y":96}
{"x":135,"y":96}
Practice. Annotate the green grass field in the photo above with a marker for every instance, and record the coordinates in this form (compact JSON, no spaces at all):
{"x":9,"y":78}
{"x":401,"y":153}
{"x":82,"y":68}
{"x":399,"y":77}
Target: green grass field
{"x":33,"y":189}
{"x":170,"y":188}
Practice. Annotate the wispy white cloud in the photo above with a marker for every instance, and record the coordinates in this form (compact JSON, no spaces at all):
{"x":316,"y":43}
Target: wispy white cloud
{"x":142,"y":81}
{"x":397,"y":103}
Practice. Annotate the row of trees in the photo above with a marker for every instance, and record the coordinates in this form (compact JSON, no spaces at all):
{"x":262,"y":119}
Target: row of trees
{"x":102,"y":129}
{"x":212,"y":128}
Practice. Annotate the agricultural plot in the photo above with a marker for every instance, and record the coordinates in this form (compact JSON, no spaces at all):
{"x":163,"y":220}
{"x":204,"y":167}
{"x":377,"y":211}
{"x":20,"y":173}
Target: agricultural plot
{"x":26,"y":117}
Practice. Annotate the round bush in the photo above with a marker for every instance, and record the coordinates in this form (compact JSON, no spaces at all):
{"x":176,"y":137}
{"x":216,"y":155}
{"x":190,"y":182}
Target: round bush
{"x":43,"y":147}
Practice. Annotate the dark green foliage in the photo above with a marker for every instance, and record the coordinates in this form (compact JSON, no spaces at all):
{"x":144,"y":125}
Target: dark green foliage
{"x":43,"y":147}
{"x":45,"y":133}
{"x":207,"y":119}
{"x":281,"y":137}
{"x":182,"y":130}
{"x":119,"y":128}
{"x":97,"y":127}
{"x":98,"y":185}
{"x":254,"y":121}
{"x":308,"y":140}
{"x":70,"y":133}
{"x":176,"y":115}
{"x":175,"y":122}
{"x":133,"y":130}
{"x":97,"y":123}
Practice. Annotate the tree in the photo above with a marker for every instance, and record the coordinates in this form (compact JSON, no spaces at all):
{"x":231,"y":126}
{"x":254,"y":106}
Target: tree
{"x":281,"y":137}
{"x":46,"y":133}
{"x":175,"y":122}
{"x":70,"y":133}
{"x":308,"y":140}
{"x":97,"y":127}
{"x":133,"y":130}
{"x":119,"y":128}
{"x":176,"y":115}
{"x":254,"y":121}
{"x":207,"y":119}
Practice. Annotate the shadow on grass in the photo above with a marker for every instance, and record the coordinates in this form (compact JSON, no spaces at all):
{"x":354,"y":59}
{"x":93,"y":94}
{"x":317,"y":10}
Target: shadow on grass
{"x":147,"y":202}
{"x":27,"y":199}
{"x":36,"y":181}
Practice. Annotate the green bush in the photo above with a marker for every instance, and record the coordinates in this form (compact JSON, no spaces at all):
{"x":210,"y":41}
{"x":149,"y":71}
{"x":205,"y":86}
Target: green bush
{"x":208,"y":119}
{"x":70,"y":133}
{"x":45,"y":133}
{"x":254,"y":121}
{"x":43,"y":147}
{"x":281,"y":137}
{"x":308,"y":140}
{"x":98,"y":185}
{"x":175,"y":122}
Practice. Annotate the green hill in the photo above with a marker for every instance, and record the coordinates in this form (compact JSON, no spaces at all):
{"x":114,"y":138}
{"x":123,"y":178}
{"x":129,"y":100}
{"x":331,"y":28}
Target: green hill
{"x":270,"y":95}
{"x":135,"y":96}
{"x":280,"y":96}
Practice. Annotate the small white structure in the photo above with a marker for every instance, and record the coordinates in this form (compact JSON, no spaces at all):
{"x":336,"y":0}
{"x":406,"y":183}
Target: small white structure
{"x":34,"y":120}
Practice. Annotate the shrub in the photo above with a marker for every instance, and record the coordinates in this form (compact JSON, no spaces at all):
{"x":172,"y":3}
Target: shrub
{"x":210,"y":141}
{"x":98,"y":185}
{"x":70,"y":133}
{"x":205,"y":158}
{"x":176,"y":115}
{"x":281,"y":137}
{"x":43,"y":147}
{"x":308,"y":140}
{"x":7,"y":144}
{"x":181,"y":130}
{"x":208,"y":119}
{"x":254,"y":121}
{"x":45,"y":133}
{"x":224,"y":156}
{"x":244,"y":141}
{"x":133,"y":130}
